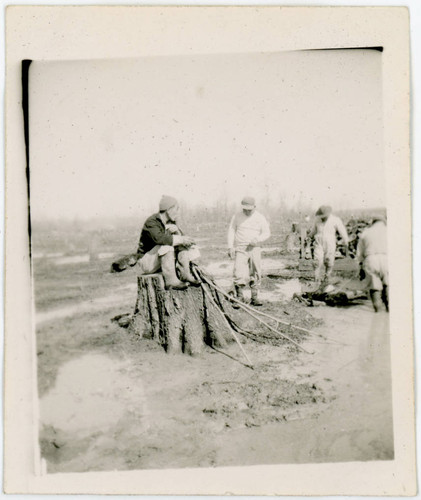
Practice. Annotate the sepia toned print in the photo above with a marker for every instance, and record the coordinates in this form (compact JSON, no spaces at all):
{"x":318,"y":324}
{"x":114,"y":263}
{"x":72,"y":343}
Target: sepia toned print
{"x":108,"y":141}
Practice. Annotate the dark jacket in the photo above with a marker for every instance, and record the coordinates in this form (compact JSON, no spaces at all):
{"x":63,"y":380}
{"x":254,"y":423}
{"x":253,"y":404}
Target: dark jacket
{"x":153,"y":233}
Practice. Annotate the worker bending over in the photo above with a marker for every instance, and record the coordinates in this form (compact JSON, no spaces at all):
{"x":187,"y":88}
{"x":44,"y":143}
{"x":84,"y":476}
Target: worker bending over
{"x":324,"y":233}
{"x":372,"y":258}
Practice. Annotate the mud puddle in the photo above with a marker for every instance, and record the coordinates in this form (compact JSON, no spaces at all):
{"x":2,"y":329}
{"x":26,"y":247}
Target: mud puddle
{"x":91,"y":393}
{"x":224,"y":268}
{"x":94,"y":400}
{"x":281,"y":292}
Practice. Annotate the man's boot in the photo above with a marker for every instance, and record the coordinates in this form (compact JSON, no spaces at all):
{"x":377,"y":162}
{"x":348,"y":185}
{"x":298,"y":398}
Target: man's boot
{"x":385,"y":296}
{"x":168,"y":271}
{"x":184,"y":268}
{"x":239,"y":294}
{"x":255,"y":301}
{"x":376,"y":300}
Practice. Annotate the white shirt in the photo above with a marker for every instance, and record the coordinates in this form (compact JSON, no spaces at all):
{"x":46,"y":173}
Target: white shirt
{"x":245,"y":230}
{"x":325,"y":232}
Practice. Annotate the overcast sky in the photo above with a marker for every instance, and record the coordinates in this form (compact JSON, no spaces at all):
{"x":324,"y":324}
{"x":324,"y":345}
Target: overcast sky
{"x":108,"y":138}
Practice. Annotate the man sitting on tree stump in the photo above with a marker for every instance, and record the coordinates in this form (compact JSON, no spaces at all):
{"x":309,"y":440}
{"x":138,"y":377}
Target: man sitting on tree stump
{"x":162,"y":245}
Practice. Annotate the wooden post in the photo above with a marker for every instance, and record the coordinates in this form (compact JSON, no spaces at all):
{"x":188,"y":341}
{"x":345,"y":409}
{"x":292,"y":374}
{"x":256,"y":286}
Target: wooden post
{"x":181,"y":321}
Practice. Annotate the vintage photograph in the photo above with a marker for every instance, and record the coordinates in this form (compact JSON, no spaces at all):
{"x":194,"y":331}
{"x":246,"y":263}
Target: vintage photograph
{"x":209,"y":260}
{"x":208,"y":251}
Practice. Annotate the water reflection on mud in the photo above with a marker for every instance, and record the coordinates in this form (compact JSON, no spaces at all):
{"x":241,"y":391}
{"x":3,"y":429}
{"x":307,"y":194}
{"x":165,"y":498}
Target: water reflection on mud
{"x":91,"y":393}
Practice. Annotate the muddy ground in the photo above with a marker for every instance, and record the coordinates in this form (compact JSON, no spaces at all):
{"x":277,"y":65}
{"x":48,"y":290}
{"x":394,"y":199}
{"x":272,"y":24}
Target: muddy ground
{"x":112,"y":401}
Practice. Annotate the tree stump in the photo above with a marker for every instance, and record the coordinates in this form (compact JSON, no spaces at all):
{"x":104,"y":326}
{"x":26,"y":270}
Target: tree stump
{"x":181,"y":321}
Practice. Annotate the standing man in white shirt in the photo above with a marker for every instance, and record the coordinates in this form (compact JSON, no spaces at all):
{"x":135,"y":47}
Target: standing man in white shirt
{"x":247,"y":231}
{"x":324,"y":232}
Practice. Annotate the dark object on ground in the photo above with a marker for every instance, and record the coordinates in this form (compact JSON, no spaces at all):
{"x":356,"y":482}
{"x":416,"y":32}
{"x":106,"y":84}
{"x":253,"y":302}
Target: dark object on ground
{"x":335,"y":298}
{"x":362,"y":274}
{"x":124,"y":262}
{"x":179,"y":320}
{"x":122,"y":320}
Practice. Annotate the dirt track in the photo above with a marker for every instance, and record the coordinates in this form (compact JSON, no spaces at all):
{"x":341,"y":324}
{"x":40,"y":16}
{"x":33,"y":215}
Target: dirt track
{"x":110,"y":401}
